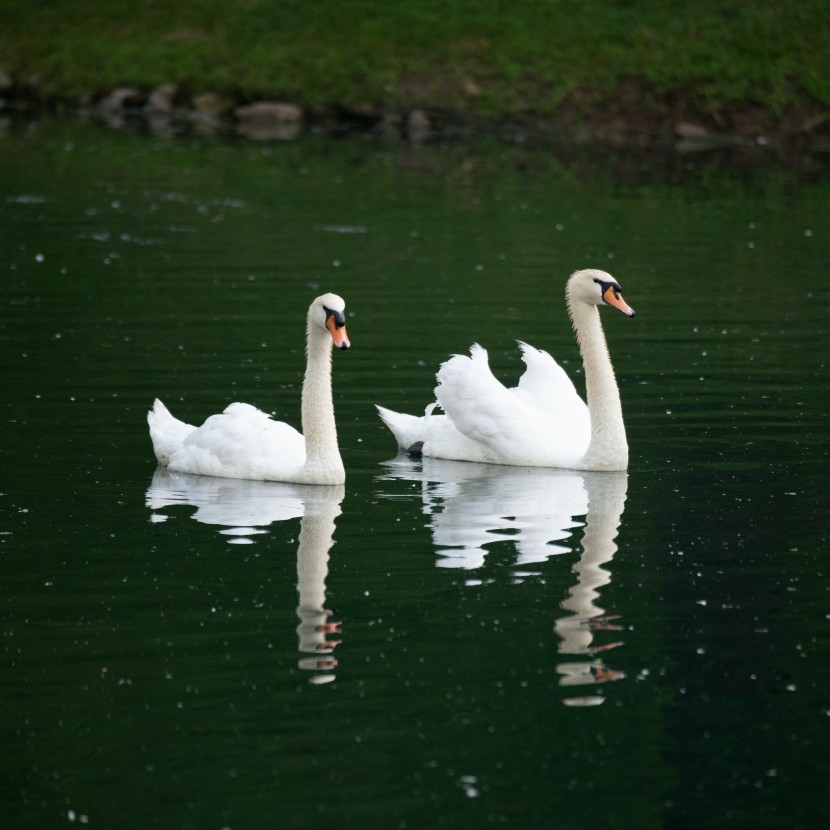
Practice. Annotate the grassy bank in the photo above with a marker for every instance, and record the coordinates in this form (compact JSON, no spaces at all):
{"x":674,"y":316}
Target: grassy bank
{"x":721,"y":60}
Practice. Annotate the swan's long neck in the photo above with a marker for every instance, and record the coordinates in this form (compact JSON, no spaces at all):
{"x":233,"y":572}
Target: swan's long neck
{"x":319,"y":429}
{"x":608,"y":449}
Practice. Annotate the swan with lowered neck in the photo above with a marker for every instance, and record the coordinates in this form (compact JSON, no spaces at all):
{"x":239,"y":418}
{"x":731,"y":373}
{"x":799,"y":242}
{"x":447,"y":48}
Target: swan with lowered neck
{"x":243,"y":442}
{"x":542,"y":422}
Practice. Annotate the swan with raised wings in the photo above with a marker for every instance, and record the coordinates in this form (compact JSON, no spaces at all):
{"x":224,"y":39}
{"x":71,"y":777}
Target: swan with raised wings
{"x":542,"y":422}
{"x":243,"y":442}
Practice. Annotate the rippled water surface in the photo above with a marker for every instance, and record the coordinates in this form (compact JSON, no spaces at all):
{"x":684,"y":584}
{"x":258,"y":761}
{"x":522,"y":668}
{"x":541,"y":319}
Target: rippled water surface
{"x":434,"y":644}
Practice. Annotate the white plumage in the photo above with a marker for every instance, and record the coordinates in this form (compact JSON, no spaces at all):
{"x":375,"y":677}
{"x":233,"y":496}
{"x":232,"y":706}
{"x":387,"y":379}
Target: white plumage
{"x":541,"y":422}
{"x":244,"y":442}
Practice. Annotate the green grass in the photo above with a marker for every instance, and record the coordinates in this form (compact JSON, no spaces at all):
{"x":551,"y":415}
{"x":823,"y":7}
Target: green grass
{"x":521,"y":57}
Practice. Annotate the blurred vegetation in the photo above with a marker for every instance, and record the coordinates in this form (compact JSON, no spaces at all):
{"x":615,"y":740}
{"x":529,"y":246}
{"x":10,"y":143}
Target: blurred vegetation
{"x":493,"y":57}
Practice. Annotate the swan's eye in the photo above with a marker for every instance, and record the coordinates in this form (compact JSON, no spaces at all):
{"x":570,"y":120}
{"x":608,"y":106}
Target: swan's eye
{"x":605,"y":287}
{"x":339,"y":319}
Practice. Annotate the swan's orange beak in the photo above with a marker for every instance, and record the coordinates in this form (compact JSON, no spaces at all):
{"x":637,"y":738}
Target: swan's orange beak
{"x":612,"y":296}
{"x":338,"y":333}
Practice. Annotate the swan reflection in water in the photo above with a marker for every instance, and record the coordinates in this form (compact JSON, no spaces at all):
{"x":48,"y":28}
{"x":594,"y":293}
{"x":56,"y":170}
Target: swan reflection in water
{"x":243,"y":509}
{"x":471,"y":506}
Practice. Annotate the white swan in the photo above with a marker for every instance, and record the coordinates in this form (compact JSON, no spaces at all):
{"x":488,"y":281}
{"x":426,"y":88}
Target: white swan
{"x":542,"y":422}
{"x":244,"y":442}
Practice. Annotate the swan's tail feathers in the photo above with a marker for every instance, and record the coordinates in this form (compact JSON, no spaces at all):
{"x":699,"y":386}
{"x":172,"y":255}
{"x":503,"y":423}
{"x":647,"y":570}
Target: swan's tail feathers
{"x":407,"y":429}
{"x":166,"y":432}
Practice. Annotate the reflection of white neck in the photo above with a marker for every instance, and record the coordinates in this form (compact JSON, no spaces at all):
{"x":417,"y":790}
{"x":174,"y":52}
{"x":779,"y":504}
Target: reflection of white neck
{"x":316,"y":538}
{"x":323,"y":463}
{"x":606,"y":500}
{"x":608,"y":449}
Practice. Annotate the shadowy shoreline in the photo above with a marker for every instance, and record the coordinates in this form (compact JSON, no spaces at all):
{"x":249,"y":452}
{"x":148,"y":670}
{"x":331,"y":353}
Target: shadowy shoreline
{"x":166,"y":110}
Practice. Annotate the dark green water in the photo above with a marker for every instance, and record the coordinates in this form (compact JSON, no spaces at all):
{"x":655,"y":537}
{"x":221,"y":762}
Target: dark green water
{"x":156,"y":670}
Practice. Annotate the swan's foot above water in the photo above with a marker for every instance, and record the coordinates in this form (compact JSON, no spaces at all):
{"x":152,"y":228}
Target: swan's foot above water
{"x":416,"y":450}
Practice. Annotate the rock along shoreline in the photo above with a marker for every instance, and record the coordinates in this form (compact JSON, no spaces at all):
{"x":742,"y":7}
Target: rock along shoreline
{"x":167,"y":109}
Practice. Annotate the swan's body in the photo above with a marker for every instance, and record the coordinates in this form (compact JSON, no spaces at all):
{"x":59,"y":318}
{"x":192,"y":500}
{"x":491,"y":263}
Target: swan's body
{"x":542,"y":422}
{"x":244,"y":442}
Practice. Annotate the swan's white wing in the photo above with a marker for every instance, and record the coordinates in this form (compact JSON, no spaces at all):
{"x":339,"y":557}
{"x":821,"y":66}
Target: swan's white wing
{"x":545,"y":384}
{"x":242,"y":442}
{"x":541,"y":422}
{"x":544,"y":380}
{"x":510,"y":425}
{"x":166,"y":432}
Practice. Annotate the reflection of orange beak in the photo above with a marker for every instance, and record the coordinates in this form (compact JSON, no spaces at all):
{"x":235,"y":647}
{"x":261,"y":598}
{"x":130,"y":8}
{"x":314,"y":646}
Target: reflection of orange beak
{"x":614,"y":298}
{"x":602,"y":674}
{"x":341,"y":339}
